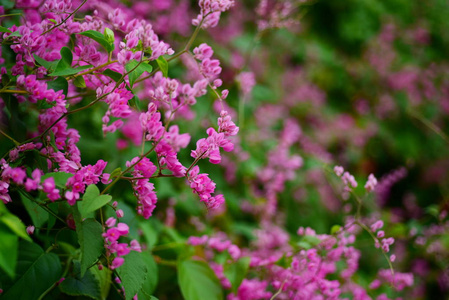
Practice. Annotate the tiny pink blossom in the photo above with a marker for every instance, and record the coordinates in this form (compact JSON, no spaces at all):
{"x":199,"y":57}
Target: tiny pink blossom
{"x":117,"y":262}
{"x":110,"y":222}
{"x":119,"y":213}
{"x":30,"y":230}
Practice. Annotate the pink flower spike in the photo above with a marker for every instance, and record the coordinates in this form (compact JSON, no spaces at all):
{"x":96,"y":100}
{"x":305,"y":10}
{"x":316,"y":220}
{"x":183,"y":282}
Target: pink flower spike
{"x":392,"y":257}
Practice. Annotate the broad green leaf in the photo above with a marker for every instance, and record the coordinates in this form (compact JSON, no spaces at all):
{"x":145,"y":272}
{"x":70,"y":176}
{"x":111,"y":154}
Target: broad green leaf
{"x":116,"y":76}
{"x":90,"y":239}
{"x":7,"y":4}
{"x":134,"y":70}
{"x":58,"y":84}
{"x":163,"y":65}
{"x":4,"y":29}
{"x":70,"y":71}
{"x":59,"y":177}
{"x":75,"y":285}
{"x":132,"y":273}
{"x":100,"y":38}
{"x":151,"y":232}
{"x":150,"y":283}
{"x":79,"y":82}
{"x":8,"y":250}
{"x":146,"y":67}
{"x":49,"y":65}
{"x":197,"y":281}
{"x":36,"y":271}
{"x":66,"y":60}
{"x":92,"y":200}
{"x":16,"y":225}
{"x":38,"y":215}
{"x":236,"y":272}
{"x":104,"y":278}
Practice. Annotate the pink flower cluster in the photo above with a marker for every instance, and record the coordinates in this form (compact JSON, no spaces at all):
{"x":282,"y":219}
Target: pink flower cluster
{"x":143,"y":169}
{"x":384,"y":242}
{"x":117,"y":99}
{"x":210,"y":147}
{"x":211,"y":11}
{"x":325,"y":268}
{"x":83,"y":177}
{"x":348,"y":181}
{"x":204,"y":187}
{"x":112,"y":245}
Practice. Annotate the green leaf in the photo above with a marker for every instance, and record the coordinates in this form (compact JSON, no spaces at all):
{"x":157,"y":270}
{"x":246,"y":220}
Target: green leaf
{"x":79,"y":82}
{"x":197,"y":281}
{"x":135,"y":73}
{"x":49,"y":65}
{"x":15,"y":33}
{"x":59,"y":177}
{"x":146,"y":67}
{"x":100,"y":38}
{"x":70,"y":71}
{"x":132,"y":273}
{"x":75,"y":285}
{"x":163,"y":65}
{"x":4,"y":29}
{"x":16,"y":225}
{"x":335,"y":229}
{"x":8,"y":250}
{"x":38,"y":215}
{"x":236,"y":272}
{"x":58,"y":84}
{"x":92,"y":200}
{"x":36,"y":270}
{"x":109,"y":35}
{"x":116,"y":172}
{"x":7,"y":4}
{"x":150,"y":283}
{"x":151,"y":231}
{"x":66,"y":60}
{"x":89,"y":237}
{"x":116,"y":76}
{"x":104,"y":278}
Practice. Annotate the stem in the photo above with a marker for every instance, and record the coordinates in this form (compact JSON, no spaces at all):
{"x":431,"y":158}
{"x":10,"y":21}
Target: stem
{"x":68,"y":17}
{"x":429,"y":124}
{"x":14,"y":91}
{"x":279,"y":291}
{"x":13,"y":140}
{"x":167,"y":246}
{"x":162,"y":261}
{"x":376,"y":240}
{"x":96,"y":68}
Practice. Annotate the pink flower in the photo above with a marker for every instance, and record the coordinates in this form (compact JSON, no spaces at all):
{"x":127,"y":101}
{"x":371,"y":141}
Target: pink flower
{"x":119,"y":213}
{"x":117,"y":262}
{"x":30,"y":230}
